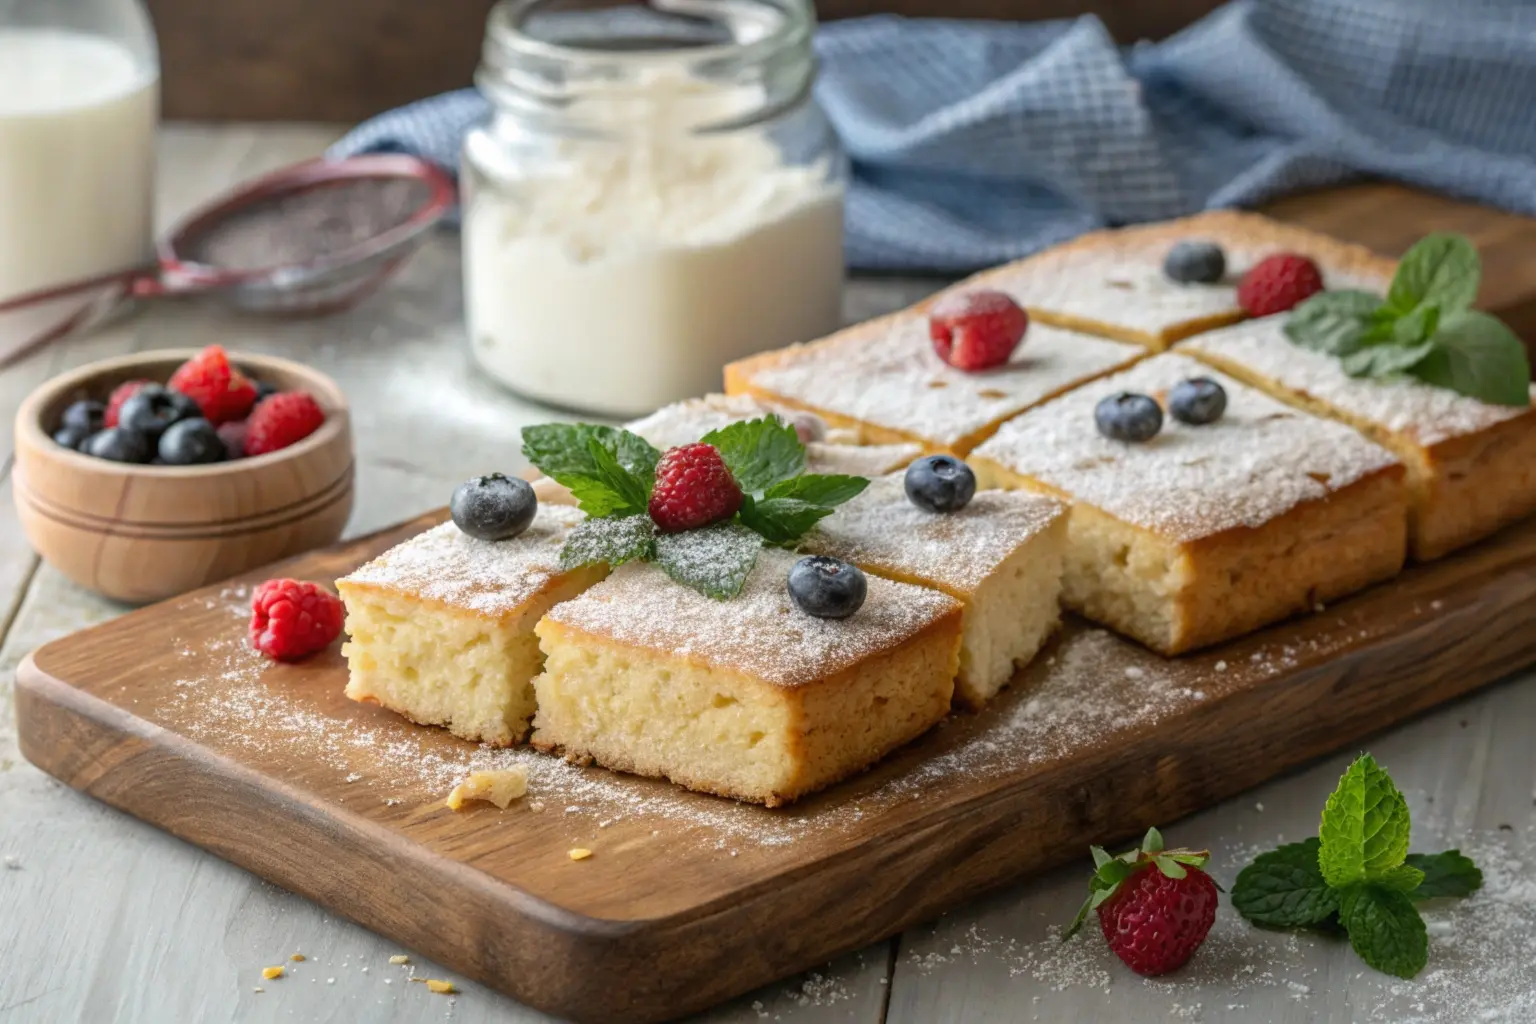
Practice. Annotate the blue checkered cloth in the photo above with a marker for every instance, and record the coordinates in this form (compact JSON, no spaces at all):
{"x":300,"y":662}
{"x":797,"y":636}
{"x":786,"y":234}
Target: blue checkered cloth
{"x":978,"y":142}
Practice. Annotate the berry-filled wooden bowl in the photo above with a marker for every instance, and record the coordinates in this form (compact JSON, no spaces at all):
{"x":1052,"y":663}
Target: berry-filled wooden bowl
{"x":98,"y":510}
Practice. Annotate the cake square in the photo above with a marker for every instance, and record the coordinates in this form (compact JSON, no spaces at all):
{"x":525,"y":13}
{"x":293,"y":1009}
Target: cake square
{"x":1000,"y":557}
{"x":1205,"y":533}
{"x":748,"y":698}
{"x":1111,"y":283}
{"x":1471,"y":465}
{"x":883,"y":380}
{"x":440,"y":627}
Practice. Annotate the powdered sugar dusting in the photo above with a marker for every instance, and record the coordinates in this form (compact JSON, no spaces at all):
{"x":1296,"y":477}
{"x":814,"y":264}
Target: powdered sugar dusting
{"x":1402,"y":405}
{"x":687,"y":421}
{"x":1261,"y":459}
{"x":760,"y":631}
{"x":859,"y":460}
{"x":493,"y":577}
{"x":957,"y":551}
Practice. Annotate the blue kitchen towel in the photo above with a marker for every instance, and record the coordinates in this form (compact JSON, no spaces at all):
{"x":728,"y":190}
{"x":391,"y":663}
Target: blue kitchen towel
{"x":977,"y":142}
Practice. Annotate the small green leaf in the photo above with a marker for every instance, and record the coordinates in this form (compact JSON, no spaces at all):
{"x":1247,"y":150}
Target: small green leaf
{"x":631,"y":490}
{"x":1442,"y":268}
{"x":1170,"y":867}
{"x":1079,"y":918}
{"x":1476,"y":355}
{"x":1152,"y":842}
{"x":1445,"y":874}
{"x":1417,"y":326}
{"x":610,"y":541}
{"x":1385,"y":929}
{"x":759,"y":453}
{"x":560,"y":449}
{"x":1333,"y":322}
{"x":1403,"y":878}
{"x":1284,"y":888}
{"x":819,"y":489}
{"x":1385,"y":360}
{"x":1364,"y":831}
{"x":781,"y":520}
{"x":1100,"y":856}
{"x":715,"y":560}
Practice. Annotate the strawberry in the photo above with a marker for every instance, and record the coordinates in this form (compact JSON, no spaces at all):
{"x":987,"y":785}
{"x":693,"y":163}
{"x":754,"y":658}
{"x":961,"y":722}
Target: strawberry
{"x":221,"y":391}
{"x":1278,"y":283}
{"x":286,"y":418}
{"x":121,"y":394}
{"x":976,"y":330}
{"x":694,"y":488}
{"x":1155,"y":905}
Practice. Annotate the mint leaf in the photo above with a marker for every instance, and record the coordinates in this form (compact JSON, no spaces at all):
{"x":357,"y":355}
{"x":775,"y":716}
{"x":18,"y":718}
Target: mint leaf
{"x":759,"y":453}
{"x":1416,"y":327}
{"x":1364,"y":831}
{"x":632,"y":492}
{"x":1445,"y":874}
{"x":1403,"y":878}
{"x":1385,"y":360}
{"x":781,"y":520}
{"x":1385,"y":929}
{"x":1476,"y":355}
{"x":611,"y":541}
{"x":559,"y":450}
{"x":715,"y":560}
{"x":1284,"y":888}
{"x":818,"y":489}
{"x":1442,"y":268}
{"x":1335,"y":323}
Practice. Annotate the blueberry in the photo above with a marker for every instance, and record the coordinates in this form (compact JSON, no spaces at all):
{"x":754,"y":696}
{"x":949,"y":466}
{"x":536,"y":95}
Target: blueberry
{"x":940,"y":483}
{"x":153,"y":408}
{"x":1197,"y":401}
{"x":263,"y":392}
{"x":1128,"y":417}
{"x":191,"y":442}
{"x":118,"y":444}
{"x":1195,"y":263}
{"x":84,"y":415}
{"x":70,"y":436}
{"x":828,"y":588}
{"x":493,"y":507}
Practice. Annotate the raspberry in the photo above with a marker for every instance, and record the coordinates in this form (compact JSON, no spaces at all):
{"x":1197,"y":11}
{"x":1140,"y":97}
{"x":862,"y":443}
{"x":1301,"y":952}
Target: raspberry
{"x":292,"y":618}
{"x":220,"y":390}
{"x":976,"y":330}
{"x":286,"y":418}
{"x":1278,"y":283}
{"x":120,"y":394}
{"x":693,"y":488}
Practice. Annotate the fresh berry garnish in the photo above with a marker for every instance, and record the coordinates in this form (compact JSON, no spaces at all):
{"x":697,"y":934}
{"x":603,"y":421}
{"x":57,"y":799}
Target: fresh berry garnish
{"x":233,"y":436}
{"x":826,"y":587}
{"x":493,"y":507}
{"x":976,"y":330}
{"x":222,"y":392}
{"x":154,"y":408}
{"x":1155,"y":906}
{"x":1195,"y":263}
{"x":292,"y":618}
{"x":286,"y":418}
{"x":191,"y":442}
{"x":1197,"y":401}
{"x":1278,"y":283}
{"x":85,"y":415}
{"x":119,"y":444}
{"x":940,"y":483}
{"x":1128,"y":417}
{"x":693,"y":488}
{"x":121,"y":394}
{"x":71,"y":436}
{"x":808,"y":426}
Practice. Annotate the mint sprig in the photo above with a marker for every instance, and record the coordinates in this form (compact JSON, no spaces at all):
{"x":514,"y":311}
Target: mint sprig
{"x":1425,"y":327}
{"x":611,"y":473}
{"x":1357,"y":874}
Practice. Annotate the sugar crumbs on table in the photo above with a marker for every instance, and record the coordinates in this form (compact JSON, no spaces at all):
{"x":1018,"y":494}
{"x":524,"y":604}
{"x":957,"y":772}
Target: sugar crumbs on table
{"x":580,"y":853}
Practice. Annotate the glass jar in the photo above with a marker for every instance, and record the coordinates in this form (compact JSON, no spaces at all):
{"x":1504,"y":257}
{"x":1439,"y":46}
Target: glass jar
{"x":652,"y":197}
{"x":79,"y":102}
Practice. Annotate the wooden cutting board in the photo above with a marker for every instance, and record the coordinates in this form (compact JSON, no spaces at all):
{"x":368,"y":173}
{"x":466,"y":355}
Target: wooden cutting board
{"x":687,"y":899}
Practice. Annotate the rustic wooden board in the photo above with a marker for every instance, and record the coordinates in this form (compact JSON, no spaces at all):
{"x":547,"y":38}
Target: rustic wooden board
{"x":165,"y":714}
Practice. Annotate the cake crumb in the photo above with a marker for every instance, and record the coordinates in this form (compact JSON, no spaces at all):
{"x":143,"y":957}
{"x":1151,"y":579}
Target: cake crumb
{"x":399,"y":958}
{"x":536,"y":806}
{"x":258,"y":988}
{"x":1221,"y":666}
{"x":270,"y":973}
{"x":580,"y":853}
{"x":442,"y":988}
{"x":499,"y":786}
{"x":297,"y":958}
{"x":12,"y":862}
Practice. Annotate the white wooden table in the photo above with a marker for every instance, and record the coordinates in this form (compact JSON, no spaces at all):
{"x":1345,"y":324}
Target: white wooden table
{"x":103,"y":918}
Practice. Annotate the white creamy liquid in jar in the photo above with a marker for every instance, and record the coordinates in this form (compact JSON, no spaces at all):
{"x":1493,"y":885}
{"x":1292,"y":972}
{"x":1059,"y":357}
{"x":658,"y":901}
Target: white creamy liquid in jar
{"x":77,"y":158}
{"x":628,"y":279}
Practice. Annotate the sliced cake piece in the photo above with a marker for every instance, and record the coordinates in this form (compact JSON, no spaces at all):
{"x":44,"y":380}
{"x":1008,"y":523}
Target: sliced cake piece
{"x":441,"y":627}
{"x":1000,"y":556}
{"x":748,"y":698}
{"x":883,"y":380}
{"x":1112,"y":283}
{"x":1471,"y":465}
{"x":1204,"y":533}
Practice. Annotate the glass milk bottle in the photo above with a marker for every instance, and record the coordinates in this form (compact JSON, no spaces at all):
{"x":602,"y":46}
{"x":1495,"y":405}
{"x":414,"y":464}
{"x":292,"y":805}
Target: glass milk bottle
{"x":79,"y":101}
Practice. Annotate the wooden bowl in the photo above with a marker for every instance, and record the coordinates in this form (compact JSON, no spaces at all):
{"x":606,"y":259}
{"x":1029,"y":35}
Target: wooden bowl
{"x":142,"y":533}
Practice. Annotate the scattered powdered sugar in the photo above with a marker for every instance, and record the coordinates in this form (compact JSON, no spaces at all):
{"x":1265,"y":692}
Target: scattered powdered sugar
{"x":882,"y":529}
{"x":1260,"y":460}
{"x":1402,"y":405}
{"x":444,"y":564}
{"x":760,"y":631}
